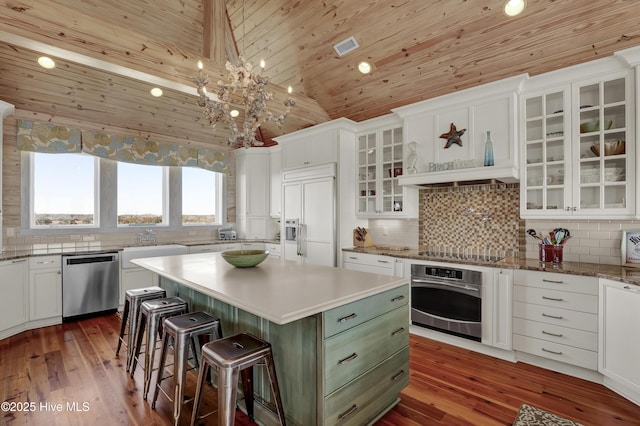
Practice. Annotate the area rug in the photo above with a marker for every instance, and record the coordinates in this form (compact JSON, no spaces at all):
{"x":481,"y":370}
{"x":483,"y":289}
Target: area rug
{"x":532,"y":416}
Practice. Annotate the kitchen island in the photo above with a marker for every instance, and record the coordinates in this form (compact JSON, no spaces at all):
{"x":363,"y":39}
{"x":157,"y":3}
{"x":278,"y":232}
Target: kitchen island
{"x":340,"y":338}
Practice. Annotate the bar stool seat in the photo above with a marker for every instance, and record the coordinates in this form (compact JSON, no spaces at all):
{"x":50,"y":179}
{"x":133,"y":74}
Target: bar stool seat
{"x":179,"y":330}
{"x":132,"y":301}
{"x":231,"y":356}
{"x":152,"y":312}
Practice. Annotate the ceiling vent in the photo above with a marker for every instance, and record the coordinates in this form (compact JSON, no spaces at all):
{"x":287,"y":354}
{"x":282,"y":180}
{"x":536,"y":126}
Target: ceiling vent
{"x":346,"y":46}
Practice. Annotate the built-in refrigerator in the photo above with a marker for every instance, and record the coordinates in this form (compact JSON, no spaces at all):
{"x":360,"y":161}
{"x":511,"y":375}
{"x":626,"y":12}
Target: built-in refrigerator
{"x":309,"y":212}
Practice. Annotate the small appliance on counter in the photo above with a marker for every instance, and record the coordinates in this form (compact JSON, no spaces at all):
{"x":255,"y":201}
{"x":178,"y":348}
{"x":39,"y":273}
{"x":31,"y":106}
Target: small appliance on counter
{"x":226,"y":234}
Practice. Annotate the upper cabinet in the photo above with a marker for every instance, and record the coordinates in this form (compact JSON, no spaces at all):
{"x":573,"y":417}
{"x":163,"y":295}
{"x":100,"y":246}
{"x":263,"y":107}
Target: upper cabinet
{"x":472,"y":115}
{"x":578,"y":158}
{"x":315,"y":145}
{"x":380,"y":163}
{"x":252,"y":192}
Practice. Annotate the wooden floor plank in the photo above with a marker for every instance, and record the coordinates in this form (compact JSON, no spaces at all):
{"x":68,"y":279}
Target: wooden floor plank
{"x":75,"y":363}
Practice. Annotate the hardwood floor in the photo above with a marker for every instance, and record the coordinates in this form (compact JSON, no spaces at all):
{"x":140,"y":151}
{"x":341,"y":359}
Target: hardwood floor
{"x":55,"y":367}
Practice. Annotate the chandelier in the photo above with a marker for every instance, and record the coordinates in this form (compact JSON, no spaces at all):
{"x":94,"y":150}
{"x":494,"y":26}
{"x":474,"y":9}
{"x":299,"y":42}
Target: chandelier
{"x":245,"y":90}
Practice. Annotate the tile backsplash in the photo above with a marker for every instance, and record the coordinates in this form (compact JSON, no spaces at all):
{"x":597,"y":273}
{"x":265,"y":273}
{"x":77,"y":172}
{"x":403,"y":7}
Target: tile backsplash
{"x":488,"y":216}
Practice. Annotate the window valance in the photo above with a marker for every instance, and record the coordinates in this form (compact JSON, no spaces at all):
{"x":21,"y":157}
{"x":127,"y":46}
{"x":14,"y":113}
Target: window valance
{"x":50,"y":138}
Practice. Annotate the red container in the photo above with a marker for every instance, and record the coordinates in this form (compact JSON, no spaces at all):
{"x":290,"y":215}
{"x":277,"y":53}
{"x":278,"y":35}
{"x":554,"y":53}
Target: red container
{"x":550,"y":253}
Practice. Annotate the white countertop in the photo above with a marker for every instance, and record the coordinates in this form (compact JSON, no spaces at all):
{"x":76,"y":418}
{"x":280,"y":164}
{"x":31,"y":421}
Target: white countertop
{"x":277,"y":290}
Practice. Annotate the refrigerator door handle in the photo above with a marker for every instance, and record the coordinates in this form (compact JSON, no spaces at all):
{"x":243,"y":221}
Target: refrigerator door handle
{"x":303,"y":238}
{"x":298,"y":240}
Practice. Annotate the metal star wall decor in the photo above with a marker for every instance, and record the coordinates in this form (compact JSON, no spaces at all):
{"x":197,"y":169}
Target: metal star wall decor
{"x":454,"y":136}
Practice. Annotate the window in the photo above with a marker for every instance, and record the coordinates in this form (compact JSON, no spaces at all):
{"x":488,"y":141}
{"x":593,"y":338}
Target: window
{"x":142,"y":195}
{"x":63,"y":190}
{"x":201,"y":199}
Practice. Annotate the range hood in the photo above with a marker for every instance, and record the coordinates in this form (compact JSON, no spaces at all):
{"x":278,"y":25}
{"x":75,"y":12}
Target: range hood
{"x":456,"y":177}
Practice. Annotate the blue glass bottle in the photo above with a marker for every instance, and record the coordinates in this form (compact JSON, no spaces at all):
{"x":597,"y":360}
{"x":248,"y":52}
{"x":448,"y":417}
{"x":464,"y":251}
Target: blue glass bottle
{"x":488,"y":150}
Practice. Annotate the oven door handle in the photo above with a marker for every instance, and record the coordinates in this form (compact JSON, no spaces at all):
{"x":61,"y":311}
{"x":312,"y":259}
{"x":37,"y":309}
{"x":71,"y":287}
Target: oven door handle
{"x":443,"y":284}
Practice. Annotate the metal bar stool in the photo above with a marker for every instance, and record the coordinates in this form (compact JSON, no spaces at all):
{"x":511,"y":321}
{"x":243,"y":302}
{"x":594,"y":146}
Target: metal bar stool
{"x":230,"y":356}
{"x":153,"y":312}
{"x":179,"y":330}
{"x":132,"y":301}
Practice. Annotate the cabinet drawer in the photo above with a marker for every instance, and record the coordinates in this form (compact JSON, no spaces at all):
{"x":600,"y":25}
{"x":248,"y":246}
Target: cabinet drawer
{"x":562,"y":353}
{"x":45,"y":262}
{"x":348,"y":355}
{"x":554,"y":281}
{"x":557,"y":334}
{"x":558,"y":299}
{"x":344,"y":317}
{"x":361,"y":400}
{"x":273,"y":248}
{"x":562,"y":317}
{"x":253,"y":246}
{"x":369,"y":259}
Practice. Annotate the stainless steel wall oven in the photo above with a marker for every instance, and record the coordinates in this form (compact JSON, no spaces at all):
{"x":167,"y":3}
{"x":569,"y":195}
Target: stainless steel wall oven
{"x":447,"y":299}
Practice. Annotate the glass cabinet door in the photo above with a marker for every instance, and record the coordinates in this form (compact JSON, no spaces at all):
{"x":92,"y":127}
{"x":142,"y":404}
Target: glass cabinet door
{"x":367,"y":173}
{"x":391,"y":170}
{"x":380,"y":164}
{"x":602,"y":135}
{"x":546,"y":152}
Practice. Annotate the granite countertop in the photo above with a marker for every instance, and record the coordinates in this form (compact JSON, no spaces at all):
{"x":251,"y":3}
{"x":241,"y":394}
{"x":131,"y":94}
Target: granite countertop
{"x":20,"y":254}
{"x":614,"y":272}
{"x":278,"y":290}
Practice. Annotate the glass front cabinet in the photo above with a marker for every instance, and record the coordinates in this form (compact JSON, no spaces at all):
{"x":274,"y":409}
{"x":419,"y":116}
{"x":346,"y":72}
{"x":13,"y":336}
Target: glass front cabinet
{"x":579,"y":150}
{"x":379,"y":164}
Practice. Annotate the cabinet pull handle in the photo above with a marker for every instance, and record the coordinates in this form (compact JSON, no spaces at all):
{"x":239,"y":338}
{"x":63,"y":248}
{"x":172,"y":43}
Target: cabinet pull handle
{"x":552,"y":281}
{"x":552,"y":316}
{"x":552,"y":352}
{"x":19,"y":261}
{"x":398,"y":331}
{"x":383,"y":261}
{"x":353,"y":257}
{"x":45,"y":262}
{"x":555,"y":299}
{"x":348,"y":359}
{"x":347,"y":413}
{"x":552,"y":334}
{"x":347,"y":318}
{"x":397,"y":298}
{"x":396,"y":376}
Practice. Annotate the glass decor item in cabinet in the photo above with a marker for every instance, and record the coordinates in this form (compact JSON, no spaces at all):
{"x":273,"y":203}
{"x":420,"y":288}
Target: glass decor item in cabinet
{"x":545,"y":151}
{"x":602,"y":145}
{"x":392,"y":165}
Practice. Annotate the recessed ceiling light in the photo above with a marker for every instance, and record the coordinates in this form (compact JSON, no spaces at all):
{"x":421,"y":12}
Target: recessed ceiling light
{"x":156,"y":91}
{"x":234,"y":113}
{"x":514,"y":7}
{"x":364,"y":67}
{"x":46,"y":62}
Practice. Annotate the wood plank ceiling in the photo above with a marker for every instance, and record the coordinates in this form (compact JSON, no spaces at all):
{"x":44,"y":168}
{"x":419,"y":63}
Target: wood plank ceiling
{"x":111,"y":52}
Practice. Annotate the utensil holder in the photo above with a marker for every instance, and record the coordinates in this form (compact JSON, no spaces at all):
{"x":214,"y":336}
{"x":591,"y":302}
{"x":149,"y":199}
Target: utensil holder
{"x":550,"y":253}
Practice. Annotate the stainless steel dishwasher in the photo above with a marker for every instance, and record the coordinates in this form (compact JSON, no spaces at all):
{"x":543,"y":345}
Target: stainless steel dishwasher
{"x":90,"y":284}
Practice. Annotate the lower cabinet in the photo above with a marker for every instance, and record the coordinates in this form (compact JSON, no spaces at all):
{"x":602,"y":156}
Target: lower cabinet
{"x":502,"y":309}
{"x":365,"y":262}
{"x":345,"y":366}
{"x":619,"y":345}
{"x":14,"y":301}
{"x":131,"y":278}
{"x":45,"y":288}
{"x":556,"y":317}
{"x":211,"y":248}
{"x":275,"y":250}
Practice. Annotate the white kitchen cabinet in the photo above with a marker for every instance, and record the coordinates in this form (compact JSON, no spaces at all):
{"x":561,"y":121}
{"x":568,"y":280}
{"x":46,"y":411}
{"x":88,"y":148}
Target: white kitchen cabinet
{"x":491,"y":108}
{"x":556,"y":317}
{"x":502,"y":309}
{"x":380,"y":164}
{"x":210,"y":248}
{"x":138,"y":277}
{"x":365,"y":262}
{"x":619,"y":346}
{"x":315,"y":145}
{"x":45,"y":289}
{"x":275,"y":250}
{"x":14,"y":300}
{"x":275,"y":168}
{"x":253,"y":245}
{"x":252,"y":192}
{"x":566,"y":169}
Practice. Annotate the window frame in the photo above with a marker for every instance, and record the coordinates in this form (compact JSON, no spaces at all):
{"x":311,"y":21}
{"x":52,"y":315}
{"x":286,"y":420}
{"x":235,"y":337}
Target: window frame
{"x":219,"y":202}
{"x":166,"y":200}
